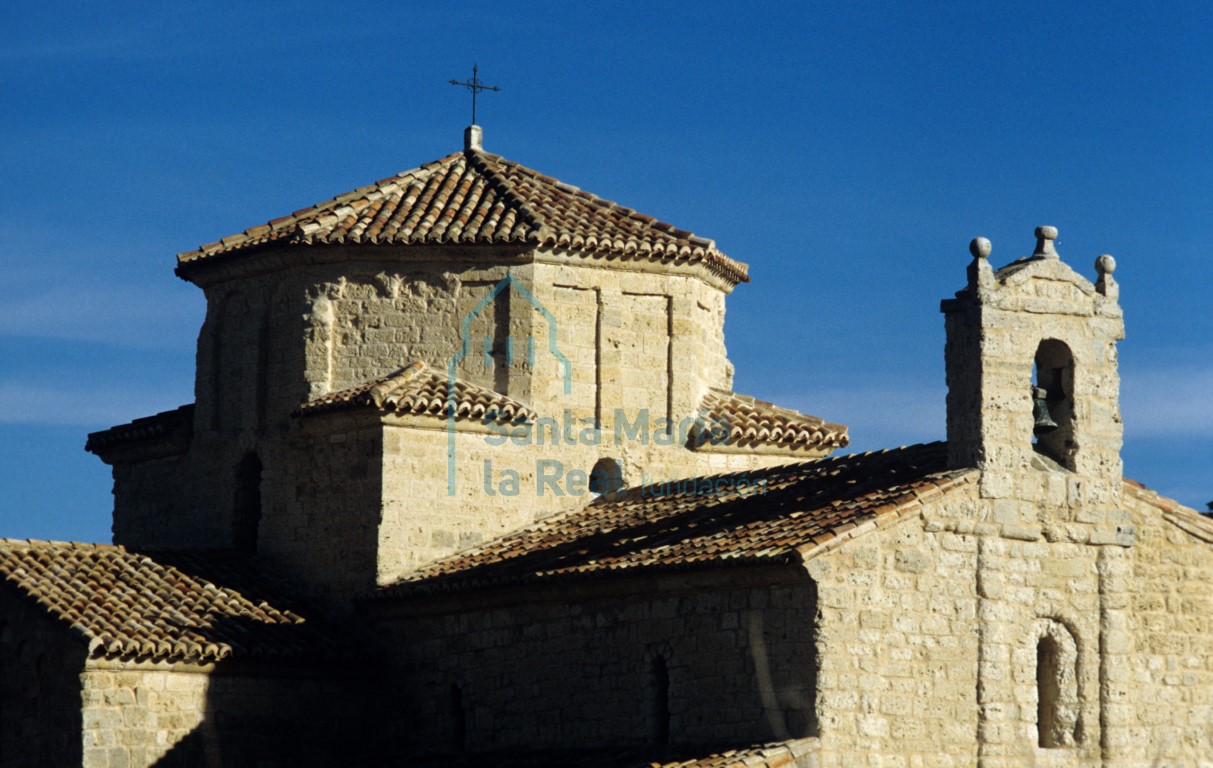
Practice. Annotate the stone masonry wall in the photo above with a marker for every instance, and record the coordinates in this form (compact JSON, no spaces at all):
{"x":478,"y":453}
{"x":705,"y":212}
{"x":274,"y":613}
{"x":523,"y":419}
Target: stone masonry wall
{"x":1166,"y":692}
{"x":898,"y":646}
{"x":276,"y":339}
{"x":646,"y":660}
{"x":322,"y":505}
{"x":146,"y":494}
{"x":40,"y":665}
{"x":932,"y":637}
{"x":144,"y":714}
{"x":637,"y":339}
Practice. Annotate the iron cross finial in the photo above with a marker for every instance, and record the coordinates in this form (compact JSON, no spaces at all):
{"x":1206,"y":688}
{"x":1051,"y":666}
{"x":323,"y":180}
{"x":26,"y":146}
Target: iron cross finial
{"x":475,"y":86}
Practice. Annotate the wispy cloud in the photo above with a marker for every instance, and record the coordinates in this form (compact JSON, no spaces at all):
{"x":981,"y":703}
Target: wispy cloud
{"x":123,"y":315}
{"x":1167,"y":402}
{"x":127,"y":42}
{"x":93,"y":407}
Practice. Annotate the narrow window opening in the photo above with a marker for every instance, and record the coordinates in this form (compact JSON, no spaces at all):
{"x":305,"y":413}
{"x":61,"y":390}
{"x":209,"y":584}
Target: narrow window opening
{"x":1053,"y":403}
{"x":246,"y":510}
{"x":1048,"y":693}
{"x":606,"y":477}
{"x":459,"y":720}
{"x":661,"y":701}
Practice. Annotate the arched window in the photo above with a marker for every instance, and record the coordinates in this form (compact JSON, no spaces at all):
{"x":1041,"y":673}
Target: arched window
{"x":606,"y":477}
{"x":1047,"y":691}
{"x":246,"y":507}
{"x":1057,"y":704}
{"x":661,"y":700}
{"x":1053,"y":402}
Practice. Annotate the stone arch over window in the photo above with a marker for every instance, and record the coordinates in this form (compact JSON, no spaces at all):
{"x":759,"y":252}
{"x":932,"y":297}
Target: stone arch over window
{"x":606,"y":477}
{"x":1058,"y":720}
{"x":246,"y":504}
{"x":1053,"y":402}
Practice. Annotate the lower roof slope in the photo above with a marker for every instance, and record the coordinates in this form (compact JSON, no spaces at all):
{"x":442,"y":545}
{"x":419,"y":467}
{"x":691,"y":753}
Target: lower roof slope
{"x":734,"y":420}
{"x":766,"y":515}
{"x":419,"y":390}
{"x":193,"y":606}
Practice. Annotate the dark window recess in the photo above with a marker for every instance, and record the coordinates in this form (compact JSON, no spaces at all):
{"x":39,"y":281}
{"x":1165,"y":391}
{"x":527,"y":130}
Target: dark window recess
{"x":459,"y":720}
{"x":606,"y":477}
{"x":661,"y":700}
{"x":246,"y":511}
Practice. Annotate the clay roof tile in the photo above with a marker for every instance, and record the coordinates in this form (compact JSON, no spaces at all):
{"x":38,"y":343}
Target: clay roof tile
{"x":727,"y":419}
{"x":763,"y":515}
{"x":131,"y":604}
{"x":477,"y":198}
{"x":420,"y":390}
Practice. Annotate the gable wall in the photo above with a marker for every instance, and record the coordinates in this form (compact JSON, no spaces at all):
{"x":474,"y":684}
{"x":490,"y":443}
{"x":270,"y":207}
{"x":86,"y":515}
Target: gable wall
{"x":897,"y":646}
{"x":40,"y":667}
{"x":930,"y":630}
{"x":1166,"y":690}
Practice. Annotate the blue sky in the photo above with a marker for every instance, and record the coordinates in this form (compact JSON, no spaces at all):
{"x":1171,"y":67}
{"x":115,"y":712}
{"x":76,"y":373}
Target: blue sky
{"x":848,"y":152}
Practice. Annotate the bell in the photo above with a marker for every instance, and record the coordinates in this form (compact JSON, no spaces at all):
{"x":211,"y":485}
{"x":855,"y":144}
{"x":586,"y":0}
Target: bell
{"x":1040,"y":412}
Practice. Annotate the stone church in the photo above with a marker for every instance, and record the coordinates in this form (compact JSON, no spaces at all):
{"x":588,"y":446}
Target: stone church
{"x":465,"y":483}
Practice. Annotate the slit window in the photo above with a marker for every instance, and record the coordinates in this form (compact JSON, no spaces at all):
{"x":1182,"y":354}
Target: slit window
{"x":661,"y":700}
{"x":246,"y":510}
{"x":459,"y":720}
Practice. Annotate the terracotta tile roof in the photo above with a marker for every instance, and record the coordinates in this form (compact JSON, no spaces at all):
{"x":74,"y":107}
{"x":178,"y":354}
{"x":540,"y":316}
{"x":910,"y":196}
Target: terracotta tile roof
{"x":182,"y":607}
{"x":420,"y":390}
{"x":1185,"y":518}
{"x":476,"y":198}
{"x":774,"y":755}
{"x":178,"y":422}
{"x":751,"y":422}
{"x":766,"y":515}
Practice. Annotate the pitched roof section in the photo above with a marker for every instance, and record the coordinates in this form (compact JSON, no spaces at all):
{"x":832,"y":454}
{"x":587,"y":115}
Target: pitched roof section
{"x":769,"y":515}
{"x":476,"y":198}
{"x":737,"y":421}
{"x":420,"y":390}
{"x":201,"y":608}
{"x":1185,"y":518}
